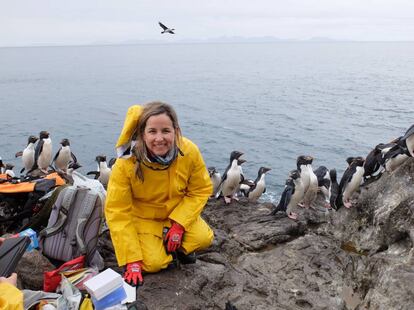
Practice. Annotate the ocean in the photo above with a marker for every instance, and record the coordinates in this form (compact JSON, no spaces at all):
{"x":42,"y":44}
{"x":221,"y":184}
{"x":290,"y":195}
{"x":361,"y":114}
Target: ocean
{"x":272,"y":101}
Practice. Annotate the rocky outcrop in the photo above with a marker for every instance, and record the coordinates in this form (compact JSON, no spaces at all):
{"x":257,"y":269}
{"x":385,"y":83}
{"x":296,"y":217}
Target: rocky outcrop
{"x":359,"y":258}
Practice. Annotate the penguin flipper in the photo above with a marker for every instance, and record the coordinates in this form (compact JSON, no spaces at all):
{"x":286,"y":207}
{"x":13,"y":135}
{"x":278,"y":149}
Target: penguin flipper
{"x":38,"y":151}
{"x":21,"y":171}
{"x":111,"y":162}
{"x":409,"y":132}
{"x":56,"y":155}
{"x":18,"y":154}
{"x":73,"y":157}
{"x":284,"y":199}
{"x":96,"y":173}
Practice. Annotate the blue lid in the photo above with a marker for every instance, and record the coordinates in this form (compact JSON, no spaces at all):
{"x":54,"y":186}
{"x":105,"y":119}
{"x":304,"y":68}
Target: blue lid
{"x":111,"y":299}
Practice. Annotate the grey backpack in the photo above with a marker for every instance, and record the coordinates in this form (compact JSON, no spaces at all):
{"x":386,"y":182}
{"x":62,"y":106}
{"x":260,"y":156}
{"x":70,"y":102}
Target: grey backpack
{"x":74,"y":225}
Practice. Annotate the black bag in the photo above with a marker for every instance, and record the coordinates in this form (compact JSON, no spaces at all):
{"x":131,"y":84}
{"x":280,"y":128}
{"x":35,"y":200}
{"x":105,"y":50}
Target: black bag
{"x":17,"y":210}
{"x":11,"y":251}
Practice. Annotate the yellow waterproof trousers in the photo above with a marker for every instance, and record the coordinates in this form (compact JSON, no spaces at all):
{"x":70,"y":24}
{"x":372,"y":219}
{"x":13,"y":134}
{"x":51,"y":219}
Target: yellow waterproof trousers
{"x":198,"y":237}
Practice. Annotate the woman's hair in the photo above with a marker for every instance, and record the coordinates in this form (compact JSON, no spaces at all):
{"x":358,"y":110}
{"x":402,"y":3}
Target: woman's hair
{"x":151,"y":109}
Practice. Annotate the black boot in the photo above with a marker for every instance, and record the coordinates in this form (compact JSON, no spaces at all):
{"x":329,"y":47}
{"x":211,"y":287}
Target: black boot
{"x":187,"y":259}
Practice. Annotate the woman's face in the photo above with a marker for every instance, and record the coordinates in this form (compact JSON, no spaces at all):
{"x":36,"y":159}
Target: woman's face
{"x":159,"y":134}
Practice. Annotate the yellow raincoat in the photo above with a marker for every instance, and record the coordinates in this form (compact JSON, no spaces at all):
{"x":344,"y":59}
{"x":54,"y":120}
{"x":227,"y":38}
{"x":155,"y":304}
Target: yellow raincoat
{"x":137,"y":212}
{"x":11,"y":298}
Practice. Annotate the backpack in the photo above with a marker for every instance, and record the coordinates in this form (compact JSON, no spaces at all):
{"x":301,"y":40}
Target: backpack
{"x":74,"y":225}
{"x":21,"y":201}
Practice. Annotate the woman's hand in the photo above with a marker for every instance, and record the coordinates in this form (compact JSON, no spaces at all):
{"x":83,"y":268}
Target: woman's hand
{"x":11,"y":280}
{"x":133,"y":274}
{"x":174,"y":237}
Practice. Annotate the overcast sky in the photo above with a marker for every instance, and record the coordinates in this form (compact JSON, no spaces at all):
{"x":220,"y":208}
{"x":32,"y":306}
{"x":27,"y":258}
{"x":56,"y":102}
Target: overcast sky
{"x":34,"y":22}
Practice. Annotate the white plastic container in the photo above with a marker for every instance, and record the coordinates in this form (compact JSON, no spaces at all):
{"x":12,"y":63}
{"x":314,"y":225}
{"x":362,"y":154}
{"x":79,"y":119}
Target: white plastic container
{"x":104,"y":284}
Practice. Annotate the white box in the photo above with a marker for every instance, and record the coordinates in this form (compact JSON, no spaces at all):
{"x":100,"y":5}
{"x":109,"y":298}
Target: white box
{"x":103,"y":283}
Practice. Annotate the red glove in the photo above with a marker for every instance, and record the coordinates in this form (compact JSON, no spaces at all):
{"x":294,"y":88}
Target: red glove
{"x":173,"y":237}
{"x":133,"y":274}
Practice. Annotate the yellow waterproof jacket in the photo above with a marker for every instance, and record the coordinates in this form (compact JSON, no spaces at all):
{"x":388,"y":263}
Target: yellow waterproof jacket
{"x":178,"y":193}
{"x":11,"y":298}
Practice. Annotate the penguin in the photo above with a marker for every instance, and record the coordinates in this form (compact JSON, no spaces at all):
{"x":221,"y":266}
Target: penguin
{"x":349,"y":160}
{"x":231,"y":178}
{"x":8,"y":170}
{"x":2,"y":166}
{"x":28,"y":154}
{"x":67,"y":175}
{"x":63,"y":156}
{"x":258,"y":186}
{"x":292,"y":194}
{"x":396,"y":156}
{"x":43,"y":153}
{"x":350,"y":182}
{"x":103,"y":172}
{"x":334,"y":189}
{"x":309,"y":179}
{"x":408,"y":140}
{"x":385,"y":148}
{"x":324,"y":184}
{"x":111,"y":162}
{"x":372,"y":166}
{"x":215,"y":179}
{"x":241,"y":161}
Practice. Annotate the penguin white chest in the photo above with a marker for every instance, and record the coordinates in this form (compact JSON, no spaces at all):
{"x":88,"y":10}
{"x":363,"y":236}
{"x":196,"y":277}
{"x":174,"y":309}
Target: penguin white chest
{"x":410,"y":144}
{"x":298,"y":194}
{"x":45,"y":157}
{"x":354,"y":183}
{"x":104,"y":174}
{"x":215,"y":179}
{"x":394,"y":163}
{"x":231,"y":184}
{"x":28,"y":156}
{"x":255,"y":194}
{"x":64,"y":157}
{"x":304,"y":176}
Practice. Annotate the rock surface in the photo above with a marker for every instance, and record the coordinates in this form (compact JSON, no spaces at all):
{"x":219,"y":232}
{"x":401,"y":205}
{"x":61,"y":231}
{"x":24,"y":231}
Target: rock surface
{"x":358,"y":258}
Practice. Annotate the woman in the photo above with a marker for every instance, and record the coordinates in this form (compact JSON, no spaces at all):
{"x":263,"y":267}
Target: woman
{"x":159,"y":183}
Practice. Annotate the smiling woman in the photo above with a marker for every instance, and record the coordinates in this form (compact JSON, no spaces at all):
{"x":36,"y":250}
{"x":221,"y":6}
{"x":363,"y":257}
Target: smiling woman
{"x":156,"y":193}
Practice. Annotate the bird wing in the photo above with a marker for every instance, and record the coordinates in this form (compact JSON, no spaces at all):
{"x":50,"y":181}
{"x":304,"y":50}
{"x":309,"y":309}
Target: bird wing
{"x":73,"y":157}
{"x":57,"y":154}
{"x":111,"y":162}
{"x":96,"y":173}
{"x":38,"y":150}
{"x":284,"y":199}
{"x":162,"y":26}
{"x":409,"y":132}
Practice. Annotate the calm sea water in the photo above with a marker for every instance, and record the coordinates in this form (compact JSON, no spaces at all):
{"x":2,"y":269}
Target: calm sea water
{"x":271,"y":101}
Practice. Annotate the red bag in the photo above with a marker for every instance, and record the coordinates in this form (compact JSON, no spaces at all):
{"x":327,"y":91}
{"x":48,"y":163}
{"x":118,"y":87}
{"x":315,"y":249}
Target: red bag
{"x":51,"y":279}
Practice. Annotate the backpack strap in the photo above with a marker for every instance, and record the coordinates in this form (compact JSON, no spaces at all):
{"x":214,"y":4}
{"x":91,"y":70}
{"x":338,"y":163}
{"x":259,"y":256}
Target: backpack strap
{"x":68,"y":198}
{"x":88,"y":206}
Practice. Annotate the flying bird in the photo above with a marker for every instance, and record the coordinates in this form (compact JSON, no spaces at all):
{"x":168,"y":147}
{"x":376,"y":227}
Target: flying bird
{"x":165,"y":29}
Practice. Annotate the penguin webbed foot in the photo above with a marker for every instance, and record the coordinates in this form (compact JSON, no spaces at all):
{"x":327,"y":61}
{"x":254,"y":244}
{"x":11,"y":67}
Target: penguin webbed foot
{"x":292,"y":215}
{"x":227,"y":200}
{"x":347,"y":204}
{"x":327,"y":205}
